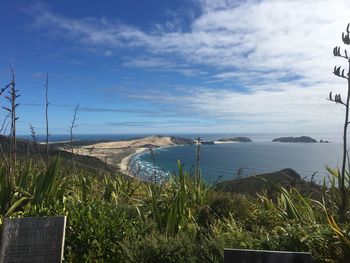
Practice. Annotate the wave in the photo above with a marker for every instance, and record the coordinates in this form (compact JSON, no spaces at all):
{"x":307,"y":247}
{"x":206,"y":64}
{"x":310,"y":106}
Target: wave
{"x":147,"y":171}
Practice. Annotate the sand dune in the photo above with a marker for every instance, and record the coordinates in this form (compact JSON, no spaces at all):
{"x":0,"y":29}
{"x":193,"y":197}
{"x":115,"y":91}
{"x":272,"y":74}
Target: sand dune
{"x":119,"y":153}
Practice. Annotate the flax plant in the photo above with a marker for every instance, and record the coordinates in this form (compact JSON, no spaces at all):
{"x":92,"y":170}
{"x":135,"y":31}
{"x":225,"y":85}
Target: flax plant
{"x":11,"y":97}
{"x":343,"y":184}
{"x":174,"y":202}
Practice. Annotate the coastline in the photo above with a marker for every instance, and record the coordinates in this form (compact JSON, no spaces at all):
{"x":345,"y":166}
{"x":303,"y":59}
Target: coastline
{"x":119,"y":154}
{"x":124,"y":166}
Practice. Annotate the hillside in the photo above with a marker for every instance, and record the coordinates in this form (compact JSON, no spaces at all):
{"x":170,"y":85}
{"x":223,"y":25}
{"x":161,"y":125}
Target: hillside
{"x":286,"y":178}
{"x":28,"y":148}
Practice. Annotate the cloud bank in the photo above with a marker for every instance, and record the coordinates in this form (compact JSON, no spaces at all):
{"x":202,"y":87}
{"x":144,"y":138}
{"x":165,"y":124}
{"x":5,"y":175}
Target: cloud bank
{"x":267,"y":63}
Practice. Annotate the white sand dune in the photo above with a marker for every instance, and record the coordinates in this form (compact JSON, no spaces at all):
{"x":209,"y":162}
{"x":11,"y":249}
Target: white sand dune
{"x":119,"y":153}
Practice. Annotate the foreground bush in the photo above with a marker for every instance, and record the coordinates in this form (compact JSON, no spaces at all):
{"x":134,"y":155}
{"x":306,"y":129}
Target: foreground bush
{"x":112,"y":218}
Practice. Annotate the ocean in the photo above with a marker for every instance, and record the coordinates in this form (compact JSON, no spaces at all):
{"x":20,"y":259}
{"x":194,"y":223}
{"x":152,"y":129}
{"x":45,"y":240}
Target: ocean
{"x":227,"y":161}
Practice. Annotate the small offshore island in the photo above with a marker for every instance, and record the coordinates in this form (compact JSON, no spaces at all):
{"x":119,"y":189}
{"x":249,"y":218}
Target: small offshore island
{"x":226,"y":140}
{"x":235,"y":139}
{"x":301,"y":139}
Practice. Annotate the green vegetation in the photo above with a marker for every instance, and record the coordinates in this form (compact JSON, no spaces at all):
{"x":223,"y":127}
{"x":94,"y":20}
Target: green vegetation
{"x":114,"y":218}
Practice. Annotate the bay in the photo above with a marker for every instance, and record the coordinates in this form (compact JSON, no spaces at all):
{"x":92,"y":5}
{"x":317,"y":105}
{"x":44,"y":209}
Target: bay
{"x":227,"y":161}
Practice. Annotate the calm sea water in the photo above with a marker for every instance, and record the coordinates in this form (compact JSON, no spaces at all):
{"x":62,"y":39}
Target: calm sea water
{"x":224,"y":161}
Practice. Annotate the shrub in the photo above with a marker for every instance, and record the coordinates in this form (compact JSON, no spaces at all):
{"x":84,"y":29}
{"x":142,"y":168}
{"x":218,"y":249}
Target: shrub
{"x":159,"y":248}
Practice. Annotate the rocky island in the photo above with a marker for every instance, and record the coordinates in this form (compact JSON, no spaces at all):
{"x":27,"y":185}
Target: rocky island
{"x":301,"y":139}
{"x":324,"y":141}
{"x":235,"y":139}
{"x":207,"y":142}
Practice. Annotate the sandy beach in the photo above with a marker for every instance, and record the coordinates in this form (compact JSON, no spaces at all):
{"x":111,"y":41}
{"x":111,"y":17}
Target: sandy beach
{"x":119,"y":153}
{"x":220,"y":142}
{"x":124,"y":166}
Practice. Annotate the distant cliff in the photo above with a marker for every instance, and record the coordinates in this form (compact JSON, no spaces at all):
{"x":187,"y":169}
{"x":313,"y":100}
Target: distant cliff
{"x":303,"y":139}
{"x":181,"y":141}
{"x":235,"y":139}
{"x":207,"y":142}
{"x":252,"y":185}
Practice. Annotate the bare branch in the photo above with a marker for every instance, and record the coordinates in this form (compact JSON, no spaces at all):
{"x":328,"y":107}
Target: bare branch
{"x":73,"y":125}
{"x":11,"y":98}
{"x":341,"y":74}
{"x":47,"y":117}
{"x":342,"y":103}
{"x":5,"y":88}
{"x":346,"y":38}
{"x":337,"y":53}
{"x":4,"y":123}
{"x":337,"y":99}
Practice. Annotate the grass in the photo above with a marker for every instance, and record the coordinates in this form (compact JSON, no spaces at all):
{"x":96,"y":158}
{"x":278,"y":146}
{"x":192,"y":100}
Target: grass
{"x":115,"y":218}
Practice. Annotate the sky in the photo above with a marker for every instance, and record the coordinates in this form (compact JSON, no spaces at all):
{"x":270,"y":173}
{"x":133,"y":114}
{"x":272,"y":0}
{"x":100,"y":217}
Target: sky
{"x":194,"y":66}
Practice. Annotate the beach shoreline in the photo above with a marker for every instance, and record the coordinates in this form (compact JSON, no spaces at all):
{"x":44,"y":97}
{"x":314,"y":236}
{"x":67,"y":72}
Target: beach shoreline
{"x":124,"y":166}
{"x":126,"y":162}
{"x":119,"y":154}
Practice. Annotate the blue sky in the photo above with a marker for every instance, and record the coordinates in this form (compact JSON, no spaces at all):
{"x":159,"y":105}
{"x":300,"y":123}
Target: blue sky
{"x":175,"y":66}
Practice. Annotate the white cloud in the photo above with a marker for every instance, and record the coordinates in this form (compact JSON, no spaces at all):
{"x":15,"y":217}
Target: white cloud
{"x":108,"y":53}
{"x":290,"y":108}
{"x":279,"y":51}
{"x":164,"y":65}
{"x":254,"y":35}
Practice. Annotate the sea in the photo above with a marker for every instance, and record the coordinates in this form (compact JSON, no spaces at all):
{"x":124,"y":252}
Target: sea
{"x":227,"y":161}
{"x":221,"y":162}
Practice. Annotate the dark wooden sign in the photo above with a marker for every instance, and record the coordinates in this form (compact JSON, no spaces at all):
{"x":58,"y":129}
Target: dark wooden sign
{"x":33,"y":239}
{"x":264,"y":256}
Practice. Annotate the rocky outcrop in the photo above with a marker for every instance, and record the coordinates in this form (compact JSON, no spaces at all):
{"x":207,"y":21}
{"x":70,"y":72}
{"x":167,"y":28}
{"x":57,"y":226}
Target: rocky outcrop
{"x":181,"y":141}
